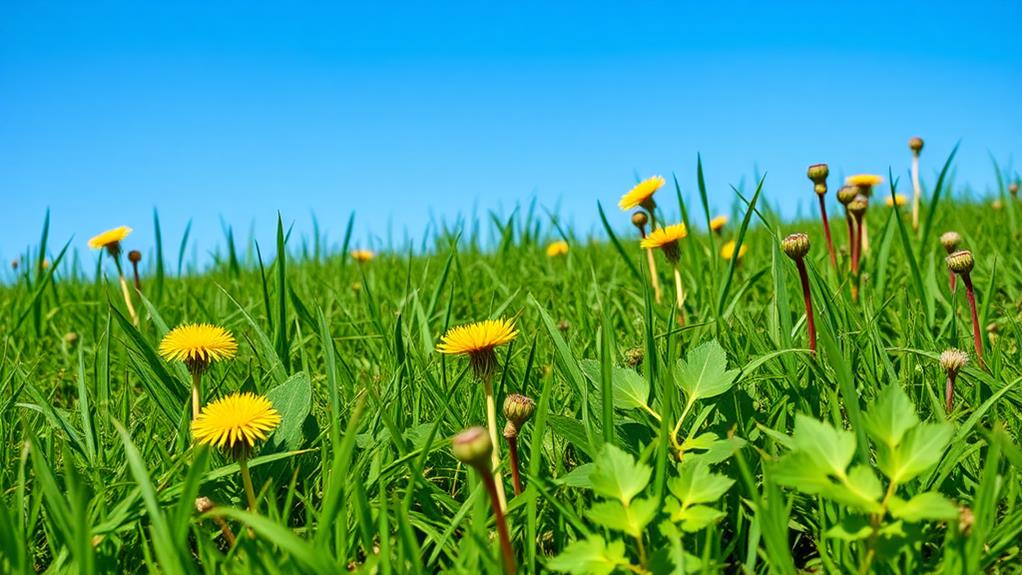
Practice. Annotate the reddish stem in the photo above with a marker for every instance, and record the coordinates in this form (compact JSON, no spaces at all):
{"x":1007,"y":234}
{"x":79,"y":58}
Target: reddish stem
{"x":949,"y":393}
{"x":810,"y":324}
{"x":976,"y":335}
{"x":851,"y":234}
{"x":138,"y":282}
{"x":951,"y":281}
{"x":512,"y":447}
{"x":507,"y":552}
{"x":857,"y":246}
{"x":826,"y":231}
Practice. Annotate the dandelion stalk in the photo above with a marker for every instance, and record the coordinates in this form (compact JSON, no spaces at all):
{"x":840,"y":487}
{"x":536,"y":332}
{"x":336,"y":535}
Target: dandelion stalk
{"x":961,"y":263}
{"x":667,"y":239}
{"x":246,"y":478}
{"x":641,"y":196}
{"x":951,"y":241}
{"x":952,"y":361}
{"x":473,"y":447}
{"x":916,"y":145}
{"x":135,"y":256}
{"x":796,"y":246}
{"x":491,"y":424}
{"x":857,"y":208}
{"x":517,"y":410}
{"x":818,"y":174}
{"x":639,"y":220}
{"x":197,"y":345}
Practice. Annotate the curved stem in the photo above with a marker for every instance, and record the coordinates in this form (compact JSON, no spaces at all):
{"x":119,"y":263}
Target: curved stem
{"x":810,"y":323}
{"x":506,"y":551}
{"x":491,"y":422}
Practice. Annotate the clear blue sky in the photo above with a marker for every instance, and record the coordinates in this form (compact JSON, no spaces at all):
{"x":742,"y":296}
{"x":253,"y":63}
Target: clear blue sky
{"x":235,"y":110}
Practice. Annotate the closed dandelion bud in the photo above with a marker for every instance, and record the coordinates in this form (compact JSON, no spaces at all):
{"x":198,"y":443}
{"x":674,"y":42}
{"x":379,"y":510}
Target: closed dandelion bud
{"x":950,"y":241}
{"x":953,"y":360}
{"x":846,"y":194}
{"x":857,"y":207}
{"x":820,"y":188}
{"x":1013,"y":189}
{"x":14,"y":265}
{"x":473,"y":447}
{"x":915,"y":144}
{"x":518,"y":409}
{"x":796,"y":245}
{"x":640,"y":219}
{"x":960,"y":262}
{"x":134,"y":256}
{"x":818,"y":173}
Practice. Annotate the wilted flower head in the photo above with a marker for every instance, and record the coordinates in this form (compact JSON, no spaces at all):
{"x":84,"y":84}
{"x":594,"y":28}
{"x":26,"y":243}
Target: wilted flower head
{"x":846,"y":194}
{"x":953,"y":360}
{"x":818,"y":173}
{"x":858,"y":206}
{"x":642,"y":194}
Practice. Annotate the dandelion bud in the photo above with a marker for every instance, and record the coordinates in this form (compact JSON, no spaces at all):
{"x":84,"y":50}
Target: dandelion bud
{"x":846,"y":194}
{"x":70,"y":338}
{"x":820,"y":188}
{"x":134,"y":256}
{"x":634,"y":356}
{"x":818,"y":173}
{"x":639,"y":220}
{"x":857,"y":207}
{"x":1013,"y":189}
{"x":915,"y":144}
{"x":518,"y":409}
{"x":473,"y":447}
{"x":953,"y":360}
{"x":950,"y":241}
{"x":796,"y":245}
{"x":960,"y":262}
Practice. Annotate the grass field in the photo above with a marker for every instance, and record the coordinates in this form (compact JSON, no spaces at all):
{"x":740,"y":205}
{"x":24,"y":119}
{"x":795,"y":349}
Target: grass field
{"x":720,"y":445}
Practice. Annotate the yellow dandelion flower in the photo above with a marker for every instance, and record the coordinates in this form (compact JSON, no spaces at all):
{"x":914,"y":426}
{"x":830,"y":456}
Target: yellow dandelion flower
{"x":362,"y":255}
{"x":198,"y":345}
{"x":110,"y":239}
{"x":898,"y":200}
{"x":642,"y":193}
{"x":727,"y":251}
{"x":477,"y":340}
{"x":717,"y":223}
{"x":235,"y":421}
{"x":558,"y":248}
{"x":864,"y":180}
{"x":666,"y":239}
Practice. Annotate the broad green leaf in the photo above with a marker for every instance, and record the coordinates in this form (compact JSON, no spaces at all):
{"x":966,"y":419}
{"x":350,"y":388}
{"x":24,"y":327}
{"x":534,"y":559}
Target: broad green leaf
{"x":851,"y":528}
{"x":697,"y":484}
{"x":293,"y":400}
{"x":631,"y":390}
{"x":921,"y":449}
{"x":631,"y":520}
{"x":616,"y":474}
{"x":929,"y":505}
{"x":891,"y":416}
{"x":833,"y":449}
{"x":590,"y":556}
{"x":703,"y":373}
{"x":801,"y":471}
{"x":692,"y":518}
{"x":864,"y":483}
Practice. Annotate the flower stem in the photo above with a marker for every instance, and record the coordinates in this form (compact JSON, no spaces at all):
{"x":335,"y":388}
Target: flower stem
{"x":125,"y":292}
{"x":138,"y":281}
{"x":506,"y":551}
{"x":851,"y":234}
{"x":977,"y":336}
{"x":679,"y":292}
{"x":917,"y":191}
{"x":949,"y":394}
{"x":826,"y":231}
{"x":512,"y":448}
{"x":246,"y":478}
{"x":951,"y":281}
{"x":491,"y":422}
{"x":803,"y":276}
{"x":196,"y":393}
{"x":653,"y":275}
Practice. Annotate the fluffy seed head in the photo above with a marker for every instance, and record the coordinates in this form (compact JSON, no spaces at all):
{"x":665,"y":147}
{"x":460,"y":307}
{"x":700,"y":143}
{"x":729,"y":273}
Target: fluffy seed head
{"x":953,"y":360}
{"x":198,"y":345}
{"x":960,"y":262}
{"x":473,"y":447}
{"x":846,"y":194}
{"x":950,"y":241}
{"x":796,"y":245}
{"x":642,"y":194}
{"x":818,"y":173}
{"x":235,"y":422}
{"x":915,"y":144}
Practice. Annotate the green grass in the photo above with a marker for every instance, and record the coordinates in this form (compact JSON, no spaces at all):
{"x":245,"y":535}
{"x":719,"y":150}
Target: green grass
{"x":844,"y":462}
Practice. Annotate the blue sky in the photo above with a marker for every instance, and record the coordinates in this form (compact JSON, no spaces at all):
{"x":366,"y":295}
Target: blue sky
{"x":235,"y":110}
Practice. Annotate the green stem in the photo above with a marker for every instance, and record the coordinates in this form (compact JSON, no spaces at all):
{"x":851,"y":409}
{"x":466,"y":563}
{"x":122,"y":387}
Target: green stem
{"x":246,"y":478}
{"x":196,"y":393}
{"x":491,"y":422}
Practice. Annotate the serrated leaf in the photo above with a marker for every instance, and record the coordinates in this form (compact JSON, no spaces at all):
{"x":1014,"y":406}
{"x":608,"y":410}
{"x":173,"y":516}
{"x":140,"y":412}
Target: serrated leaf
{"x":921,"y":449}
{"x":703,"y":373}
{"x":591,"y":555}
{"x":293,"y":400}
{"x":631,"y":520}
{"x":851,"y":528}
{"x":929,"y":505}
{"x":891,"y":416}
{"x":832,"y":448}
{"x":697,"y":517}
{"x":616,"y":474}
{"x":801,"y":471}
{"x":631,"y":390}
{"x":695,"y":483}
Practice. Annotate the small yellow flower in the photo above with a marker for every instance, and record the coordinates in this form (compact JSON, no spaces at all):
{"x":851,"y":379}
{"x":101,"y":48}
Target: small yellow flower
{"x":558,"y":248}
{"x":362,"y":256}
{"x":235,"y":421}
{"x":642,"y":193}
{"x":898,"y":200}
{"x":665,"y":239}
{"x":864,"y":180}
{"x":110,"y":239}
{"x":727,"y":251}
{"x":477,"y":340}
{"x":198,"y":345}
{"x":717,"y":223}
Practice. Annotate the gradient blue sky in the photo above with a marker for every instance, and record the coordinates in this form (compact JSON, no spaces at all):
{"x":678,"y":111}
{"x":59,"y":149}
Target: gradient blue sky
{"x":235,"y":110}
